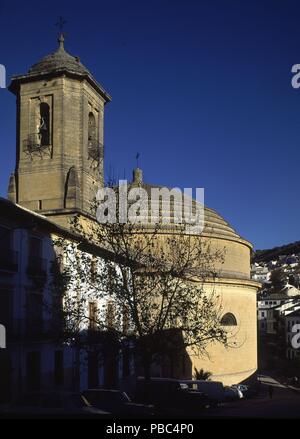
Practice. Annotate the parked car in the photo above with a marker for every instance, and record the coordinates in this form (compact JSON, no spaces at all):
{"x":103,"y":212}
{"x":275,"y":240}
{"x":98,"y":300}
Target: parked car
{"x":170,"y":397}
{"x":247,"y":391}
{"x":213,"y":389}
{"x":116,"y":402}
{"x":52,"y":404}
{"x":232,"y":393}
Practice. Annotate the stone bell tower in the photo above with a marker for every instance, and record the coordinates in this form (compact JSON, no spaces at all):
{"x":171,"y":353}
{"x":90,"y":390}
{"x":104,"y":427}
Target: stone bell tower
{"x":59,"y":159}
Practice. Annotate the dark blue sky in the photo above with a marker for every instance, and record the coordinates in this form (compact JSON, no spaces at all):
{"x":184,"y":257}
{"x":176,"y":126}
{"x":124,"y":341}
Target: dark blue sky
{"x":200,"y":88}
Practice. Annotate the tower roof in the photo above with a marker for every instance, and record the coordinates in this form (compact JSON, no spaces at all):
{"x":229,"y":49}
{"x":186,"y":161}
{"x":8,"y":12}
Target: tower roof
{"x":59,"y":62}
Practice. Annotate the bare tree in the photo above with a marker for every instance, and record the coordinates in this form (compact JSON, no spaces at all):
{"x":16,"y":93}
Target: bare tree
{"x":150,"y":287}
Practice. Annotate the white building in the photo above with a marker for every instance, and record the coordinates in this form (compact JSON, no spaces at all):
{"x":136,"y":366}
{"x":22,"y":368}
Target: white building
{"x":265,"y":307}
{"x":260,"y":273}
{"x":35,"y":357}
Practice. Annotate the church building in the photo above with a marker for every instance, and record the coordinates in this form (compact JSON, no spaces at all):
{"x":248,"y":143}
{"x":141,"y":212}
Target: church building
{"x":59,"y":167}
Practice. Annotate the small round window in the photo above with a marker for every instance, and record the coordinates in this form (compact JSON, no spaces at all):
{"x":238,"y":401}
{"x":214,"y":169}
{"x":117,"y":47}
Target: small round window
{"x":228,"y":319}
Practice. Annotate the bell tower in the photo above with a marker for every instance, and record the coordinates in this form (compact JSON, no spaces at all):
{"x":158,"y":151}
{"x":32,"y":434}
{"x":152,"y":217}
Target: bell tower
{"x":59,"y":151}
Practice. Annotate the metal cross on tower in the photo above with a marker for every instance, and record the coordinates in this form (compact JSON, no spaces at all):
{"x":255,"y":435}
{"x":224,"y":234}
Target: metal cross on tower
{"x":61,"y":24}
{"x":137,"y":159}
{"x":61,"y":35}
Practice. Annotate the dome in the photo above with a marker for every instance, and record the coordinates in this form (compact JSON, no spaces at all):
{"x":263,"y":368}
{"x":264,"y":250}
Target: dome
{"x":214,"y":223}
{"x":60,"y":60}
{"x":220,"y":235}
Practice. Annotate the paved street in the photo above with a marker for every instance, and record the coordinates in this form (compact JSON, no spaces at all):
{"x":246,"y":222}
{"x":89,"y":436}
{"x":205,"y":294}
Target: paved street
{"x":285,"y":403}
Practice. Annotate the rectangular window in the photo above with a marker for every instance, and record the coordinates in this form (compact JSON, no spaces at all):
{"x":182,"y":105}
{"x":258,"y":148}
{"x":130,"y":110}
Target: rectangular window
{"x":34,"y":314}
{"x":110,"y":315}
{"x":8,"y":257}
{"x":36,"y":264}
{"x":6,"y":309}
{"x":5,"y":238}
{"x":57,"y":315}
{"x":35,"y":247}
{"x":58,"y":368}
{"x":93,"y":269}
{"x":92,"y":316}
{"x":33,"y":370}
{"x":125,"y":320}
{"x":93,"y":376}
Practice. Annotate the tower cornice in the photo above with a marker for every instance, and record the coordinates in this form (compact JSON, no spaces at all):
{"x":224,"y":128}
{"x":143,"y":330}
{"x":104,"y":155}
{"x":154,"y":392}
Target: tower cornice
{"x":17,"y":80}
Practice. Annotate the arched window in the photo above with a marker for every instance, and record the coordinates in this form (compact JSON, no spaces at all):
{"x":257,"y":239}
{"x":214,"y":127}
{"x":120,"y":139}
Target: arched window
{"x":92,"y":127}
{"x":44,"y":129}
{"x":228,"y":319}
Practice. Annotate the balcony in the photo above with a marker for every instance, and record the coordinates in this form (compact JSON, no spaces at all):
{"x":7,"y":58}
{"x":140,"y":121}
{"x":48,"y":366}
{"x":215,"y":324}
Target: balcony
{"x":95,"y":150}
{"x":37,"y":266}
{"x":32,"y":146}
{"x":9,"y":260}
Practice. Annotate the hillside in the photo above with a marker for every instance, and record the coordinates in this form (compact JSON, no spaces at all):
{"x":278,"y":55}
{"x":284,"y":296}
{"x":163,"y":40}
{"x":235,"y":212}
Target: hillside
{"x":274,"y":253}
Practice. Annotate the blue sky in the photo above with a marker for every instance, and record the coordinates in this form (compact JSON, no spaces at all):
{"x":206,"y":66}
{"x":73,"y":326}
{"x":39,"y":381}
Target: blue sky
{"x":202,"y":89}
